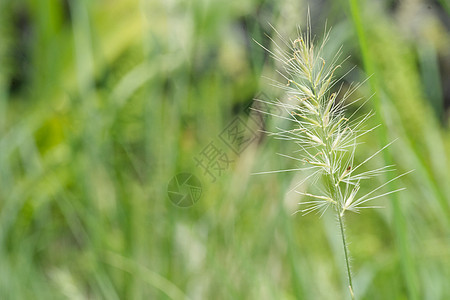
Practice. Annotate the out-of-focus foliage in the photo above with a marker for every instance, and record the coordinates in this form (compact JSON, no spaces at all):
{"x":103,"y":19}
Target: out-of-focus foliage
{"x":103,"y":102}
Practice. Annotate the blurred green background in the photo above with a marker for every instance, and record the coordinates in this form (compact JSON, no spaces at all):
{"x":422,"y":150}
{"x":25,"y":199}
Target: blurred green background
{"x":102,"y":103}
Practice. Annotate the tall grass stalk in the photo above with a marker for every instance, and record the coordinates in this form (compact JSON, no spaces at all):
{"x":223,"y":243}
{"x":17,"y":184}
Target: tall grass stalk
{"x":327,"y":138}
{"x":407,"y":263}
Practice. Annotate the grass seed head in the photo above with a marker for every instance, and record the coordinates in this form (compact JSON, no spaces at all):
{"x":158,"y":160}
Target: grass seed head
{"x":326,"y":137}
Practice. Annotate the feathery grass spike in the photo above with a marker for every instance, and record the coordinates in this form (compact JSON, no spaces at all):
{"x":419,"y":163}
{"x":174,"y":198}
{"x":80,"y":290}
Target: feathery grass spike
{"x":326,"y":137}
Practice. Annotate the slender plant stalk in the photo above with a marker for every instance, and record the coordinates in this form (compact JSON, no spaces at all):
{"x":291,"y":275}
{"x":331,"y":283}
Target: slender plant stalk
{"x":327,"y":138}
{"x":407,"y":264}
{"x":347,"y":260}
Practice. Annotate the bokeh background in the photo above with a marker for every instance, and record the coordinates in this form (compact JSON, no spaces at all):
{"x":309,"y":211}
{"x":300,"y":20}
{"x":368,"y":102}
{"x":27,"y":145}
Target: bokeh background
{"x":102,"y":103}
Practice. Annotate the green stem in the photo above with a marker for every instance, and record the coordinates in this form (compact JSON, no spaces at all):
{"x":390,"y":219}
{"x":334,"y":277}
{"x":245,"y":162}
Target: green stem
{"x":408,"y":267}
{"x":344,"y":243}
